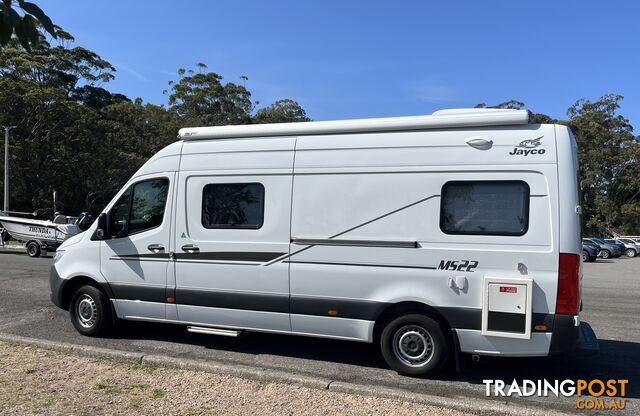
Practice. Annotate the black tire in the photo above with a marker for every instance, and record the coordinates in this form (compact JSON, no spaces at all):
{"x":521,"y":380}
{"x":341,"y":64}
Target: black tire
{"x":606,"y":254}
{"x":585,"y":256}
{"x":404,"y":338}
{"x":630,"y":252}
{"x":90,"y":311}
{"x":33,"y":249}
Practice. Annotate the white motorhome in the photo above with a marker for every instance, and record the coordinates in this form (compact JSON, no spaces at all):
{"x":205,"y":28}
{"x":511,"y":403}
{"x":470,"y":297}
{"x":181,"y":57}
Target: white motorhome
{"x":434,"y":236}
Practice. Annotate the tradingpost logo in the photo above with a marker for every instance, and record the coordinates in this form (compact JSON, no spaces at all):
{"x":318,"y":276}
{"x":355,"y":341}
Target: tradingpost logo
{"x":602,"y":394}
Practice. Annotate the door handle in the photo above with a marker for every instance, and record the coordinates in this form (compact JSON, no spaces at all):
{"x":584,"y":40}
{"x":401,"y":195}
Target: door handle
{"x":190,"y":248}
{"x":156,"y":248}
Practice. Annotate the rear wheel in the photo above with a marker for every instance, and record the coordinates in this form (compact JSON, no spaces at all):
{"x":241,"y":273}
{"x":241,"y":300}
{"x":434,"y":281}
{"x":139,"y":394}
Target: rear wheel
{"x":630,"y":252}
{"x":585,"y":256}
{"x":90,"y":311}
{"x":606,"y":254}
{"x":414,"y":345}
{"x":33,"y":249}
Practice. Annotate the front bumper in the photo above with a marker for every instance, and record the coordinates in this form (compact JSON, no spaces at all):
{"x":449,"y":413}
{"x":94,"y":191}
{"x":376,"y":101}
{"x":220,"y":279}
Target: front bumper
{"x":56,"y":283}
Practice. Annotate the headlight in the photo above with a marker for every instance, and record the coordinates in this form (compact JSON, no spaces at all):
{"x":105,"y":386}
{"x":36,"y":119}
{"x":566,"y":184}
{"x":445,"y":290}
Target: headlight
{"x":58,"y":255}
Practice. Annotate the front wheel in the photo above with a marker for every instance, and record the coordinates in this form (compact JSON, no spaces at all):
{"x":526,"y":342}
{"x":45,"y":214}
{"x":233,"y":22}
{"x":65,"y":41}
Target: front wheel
{"x":606,"y":254}
{"x":630,"y":252}
{"x":414,"y":345}
{"x":585,"y":256}
{"x":33,"y":249}
{"x":90,"y":311}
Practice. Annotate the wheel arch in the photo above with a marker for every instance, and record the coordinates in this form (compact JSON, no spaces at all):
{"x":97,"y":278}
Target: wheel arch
{"x":398,"y":309}
{"x":75,"y":282}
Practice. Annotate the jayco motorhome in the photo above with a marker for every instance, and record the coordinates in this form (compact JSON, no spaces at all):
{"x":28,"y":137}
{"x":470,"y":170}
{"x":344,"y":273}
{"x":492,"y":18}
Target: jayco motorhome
{"x":433,"y":236}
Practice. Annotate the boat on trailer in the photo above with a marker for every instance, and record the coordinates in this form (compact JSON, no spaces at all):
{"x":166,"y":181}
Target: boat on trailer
{"x":38,"y":235}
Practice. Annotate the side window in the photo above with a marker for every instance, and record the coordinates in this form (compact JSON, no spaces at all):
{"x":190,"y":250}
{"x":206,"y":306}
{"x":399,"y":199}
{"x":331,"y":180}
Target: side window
{"x":233,"y":205}
{"x":485,"y":208}
{"x":120,"y":215}
{"x":147,"y":204}
{"x":140,"y":208}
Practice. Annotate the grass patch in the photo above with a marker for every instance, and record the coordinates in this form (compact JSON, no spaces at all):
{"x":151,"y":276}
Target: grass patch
{"x":135,"y":401}
{"x":44,"y":402}
{"x":158,"y":393}
{"x":141,"y":386}
{"x":143,"y":367}
{"x":107,"y":387}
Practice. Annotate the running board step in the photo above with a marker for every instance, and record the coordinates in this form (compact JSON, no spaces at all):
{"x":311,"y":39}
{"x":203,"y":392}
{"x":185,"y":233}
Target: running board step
{"x":213,"y":331}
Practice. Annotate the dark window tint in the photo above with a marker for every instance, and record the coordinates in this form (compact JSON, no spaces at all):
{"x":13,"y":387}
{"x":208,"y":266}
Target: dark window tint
{"x":485,"y":207}
{"x":147,"y":204}
{"x":120,"y":215}
{"x":233,"y":205}
{"x":140,"y":208}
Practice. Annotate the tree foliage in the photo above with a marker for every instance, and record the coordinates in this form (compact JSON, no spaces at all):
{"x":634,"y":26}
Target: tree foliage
{"x":609,"y":157}
{"x":25,"y":26}
{"x":200,"y":98}
{"x":78,"y":138}
{"x":282,"y":111}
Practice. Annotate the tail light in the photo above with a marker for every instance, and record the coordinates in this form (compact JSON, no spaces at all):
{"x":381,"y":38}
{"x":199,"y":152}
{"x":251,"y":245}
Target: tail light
{"x":568,"y":300}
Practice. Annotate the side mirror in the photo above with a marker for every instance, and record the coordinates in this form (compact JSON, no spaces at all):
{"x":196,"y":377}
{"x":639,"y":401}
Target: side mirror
{"x":102,"y":230}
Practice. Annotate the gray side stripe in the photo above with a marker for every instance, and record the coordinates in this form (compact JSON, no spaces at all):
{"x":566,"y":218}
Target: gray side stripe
{"x":355,"y":243}
{"x":362,"y":264}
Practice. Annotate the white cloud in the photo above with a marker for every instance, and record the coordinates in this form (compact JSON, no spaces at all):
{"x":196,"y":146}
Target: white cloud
{"x":139,"y":76}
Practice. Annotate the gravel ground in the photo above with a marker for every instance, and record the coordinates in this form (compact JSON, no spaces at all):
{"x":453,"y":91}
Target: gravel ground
{"x":36,"y":381}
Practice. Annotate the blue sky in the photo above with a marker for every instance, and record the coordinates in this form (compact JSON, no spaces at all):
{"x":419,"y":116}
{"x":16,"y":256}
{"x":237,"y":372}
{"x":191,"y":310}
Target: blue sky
{"x":349,"y":59}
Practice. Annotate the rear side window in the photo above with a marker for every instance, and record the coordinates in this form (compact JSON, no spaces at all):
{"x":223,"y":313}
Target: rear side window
{"x":233,"y":205}
{"x":485,"y":208}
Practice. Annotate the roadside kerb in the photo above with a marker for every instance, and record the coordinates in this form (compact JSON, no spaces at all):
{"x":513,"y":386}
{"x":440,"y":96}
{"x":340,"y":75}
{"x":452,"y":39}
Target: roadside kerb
{"x":471,"y":405}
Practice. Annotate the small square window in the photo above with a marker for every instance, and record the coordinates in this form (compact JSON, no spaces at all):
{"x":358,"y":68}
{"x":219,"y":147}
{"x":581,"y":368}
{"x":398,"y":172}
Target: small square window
{"x":233,"y":205}
{"x":485,"y":208}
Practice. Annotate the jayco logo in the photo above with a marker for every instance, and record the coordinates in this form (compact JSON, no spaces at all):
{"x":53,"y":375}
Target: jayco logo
{"x":528,"y":147}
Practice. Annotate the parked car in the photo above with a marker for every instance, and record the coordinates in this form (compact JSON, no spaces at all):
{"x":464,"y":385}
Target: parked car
{"x":589,"y":252}
{"x":631,"y":249}
{"x":607,"y":250}
{"x":619,"y":246}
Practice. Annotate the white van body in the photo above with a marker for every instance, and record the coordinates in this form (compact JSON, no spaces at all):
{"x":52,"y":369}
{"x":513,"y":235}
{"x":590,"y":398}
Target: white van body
{"x":353,"y":228}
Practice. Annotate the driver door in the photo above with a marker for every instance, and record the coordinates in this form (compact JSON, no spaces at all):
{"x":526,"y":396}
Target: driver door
{"x":135,"y":259}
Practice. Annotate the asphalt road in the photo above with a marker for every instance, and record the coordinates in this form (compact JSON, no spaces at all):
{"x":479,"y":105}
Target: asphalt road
{"x":611,"y":296}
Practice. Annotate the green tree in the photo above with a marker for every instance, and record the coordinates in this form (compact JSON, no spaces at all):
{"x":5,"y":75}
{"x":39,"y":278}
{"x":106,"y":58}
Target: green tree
{"x":54,"y":95}
{"x":200,"y":98}
{"x":282,"y":111}
{"x":608,"y":154}
{"x":78,"y":138}
{"x":25,"y":25}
